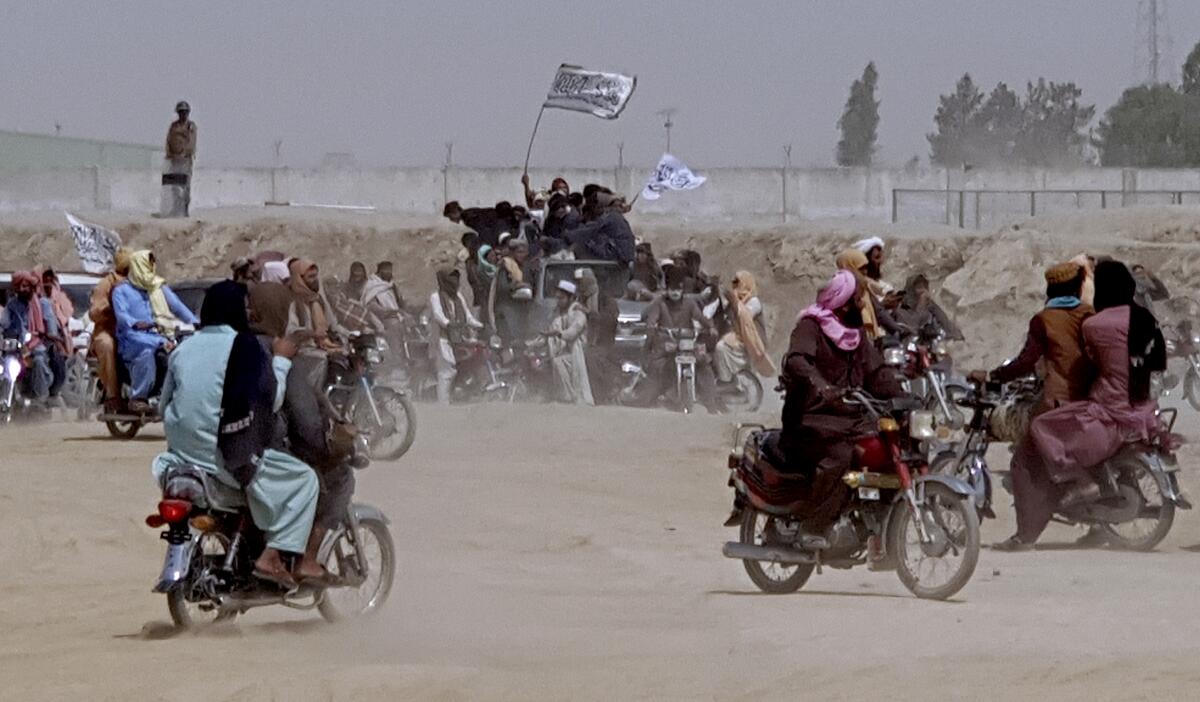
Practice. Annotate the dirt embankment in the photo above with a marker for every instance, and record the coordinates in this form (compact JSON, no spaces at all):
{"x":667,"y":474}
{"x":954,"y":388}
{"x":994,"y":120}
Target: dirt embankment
{"x":989,"y":281}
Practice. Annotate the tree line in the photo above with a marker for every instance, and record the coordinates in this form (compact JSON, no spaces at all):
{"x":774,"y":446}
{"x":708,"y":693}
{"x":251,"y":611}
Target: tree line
{"x":1046,"y":125}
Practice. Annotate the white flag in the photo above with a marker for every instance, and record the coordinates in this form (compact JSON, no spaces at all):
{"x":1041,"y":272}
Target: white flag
{"x":671,"y":174}
{"x":601,"y":94}
{"x":95,"y":245}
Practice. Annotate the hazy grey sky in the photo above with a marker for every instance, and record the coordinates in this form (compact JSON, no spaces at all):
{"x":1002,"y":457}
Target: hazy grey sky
{"x":392,"y":81}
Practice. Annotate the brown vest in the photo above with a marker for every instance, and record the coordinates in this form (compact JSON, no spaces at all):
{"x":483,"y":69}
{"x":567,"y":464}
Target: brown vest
{"x":1068,"y":371}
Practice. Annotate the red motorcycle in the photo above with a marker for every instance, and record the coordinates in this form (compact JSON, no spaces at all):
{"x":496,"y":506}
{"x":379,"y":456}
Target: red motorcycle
{"x":899,"y":516}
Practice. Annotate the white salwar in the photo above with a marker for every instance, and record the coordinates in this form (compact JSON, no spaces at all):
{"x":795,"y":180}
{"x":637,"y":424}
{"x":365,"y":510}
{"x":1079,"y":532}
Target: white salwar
{"x":567,"y":352}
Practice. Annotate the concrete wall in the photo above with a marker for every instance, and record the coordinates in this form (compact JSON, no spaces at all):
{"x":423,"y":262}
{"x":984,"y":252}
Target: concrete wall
{"x":20,"y":150}
{"x":730,"y":193}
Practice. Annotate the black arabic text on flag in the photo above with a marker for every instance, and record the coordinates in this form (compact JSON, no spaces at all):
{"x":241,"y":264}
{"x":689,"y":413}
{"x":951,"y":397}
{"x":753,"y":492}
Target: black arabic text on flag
{"x":595,"y":92}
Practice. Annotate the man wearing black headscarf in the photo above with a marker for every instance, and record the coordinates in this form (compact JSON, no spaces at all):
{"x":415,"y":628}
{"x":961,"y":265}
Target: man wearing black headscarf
{"x":218,"y":403}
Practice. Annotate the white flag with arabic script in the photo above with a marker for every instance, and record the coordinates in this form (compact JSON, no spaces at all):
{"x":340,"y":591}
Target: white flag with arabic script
{"x":671,"y":174}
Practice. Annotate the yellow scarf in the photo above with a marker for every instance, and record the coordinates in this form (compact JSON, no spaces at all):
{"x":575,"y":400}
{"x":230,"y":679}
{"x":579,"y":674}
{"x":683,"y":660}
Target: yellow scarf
{"x":143,"y":276}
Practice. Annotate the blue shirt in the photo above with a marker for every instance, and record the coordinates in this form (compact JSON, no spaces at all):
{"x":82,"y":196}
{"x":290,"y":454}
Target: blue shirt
{"x":131,"y":306}
{"x":16,"y":318}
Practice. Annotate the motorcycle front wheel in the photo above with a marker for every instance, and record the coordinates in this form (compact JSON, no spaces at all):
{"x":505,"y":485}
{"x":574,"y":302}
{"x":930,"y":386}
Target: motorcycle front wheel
{"x":123,"y":430}
{"x":748,"y":396}
{"x":395,"y":437}
{"x":938,"y":569}
{"x":370,"y":582}
{"x":774,"y":578}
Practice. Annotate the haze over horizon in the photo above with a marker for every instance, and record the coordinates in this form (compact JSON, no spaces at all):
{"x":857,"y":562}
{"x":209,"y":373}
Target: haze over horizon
{"x":392,"y":82}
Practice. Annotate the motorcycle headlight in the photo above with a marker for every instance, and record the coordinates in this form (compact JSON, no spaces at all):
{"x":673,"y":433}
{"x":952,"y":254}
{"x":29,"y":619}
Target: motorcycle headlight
{"x":939,"y":349}
{"x":894,"y":356}
{"x":687,"y":344}
{"x":1196,"y":340}
{"x":373,"y":356}
{"x":12,"y":367}
{"x":381,"y":343}
{"x":920,"y":425}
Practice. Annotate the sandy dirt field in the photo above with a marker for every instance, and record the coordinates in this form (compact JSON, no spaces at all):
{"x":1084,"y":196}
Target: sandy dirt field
{"x":554,"y":553}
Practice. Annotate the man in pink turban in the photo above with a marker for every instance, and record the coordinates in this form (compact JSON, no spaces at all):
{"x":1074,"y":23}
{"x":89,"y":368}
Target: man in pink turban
{"x":828,"y":355}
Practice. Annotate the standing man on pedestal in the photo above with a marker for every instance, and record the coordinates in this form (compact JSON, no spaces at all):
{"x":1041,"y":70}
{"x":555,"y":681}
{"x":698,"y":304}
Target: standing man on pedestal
{"x":177,"y":171}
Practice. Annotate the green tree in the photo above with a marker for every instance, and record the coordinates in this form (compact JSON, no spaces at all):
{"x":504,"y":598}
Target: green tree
{"x":1054,"y":125}
{"x":997,"y":127}
{"x":957,"y":125}
{"x":1191,"y":72}
{"x":860,"y":121}
{"x":1151,"y":126}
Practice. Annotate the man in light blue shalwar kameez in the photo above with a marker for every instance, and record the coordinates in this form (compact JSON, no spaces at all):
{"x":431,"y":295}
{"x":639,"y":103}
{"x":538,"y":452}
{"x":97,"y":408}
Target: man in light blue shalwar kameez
{"x":282,"y":495}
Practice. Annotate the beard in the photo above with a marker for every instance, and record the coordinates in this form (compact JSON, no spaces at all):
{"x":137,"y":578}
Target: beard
{"x":853,"y":318}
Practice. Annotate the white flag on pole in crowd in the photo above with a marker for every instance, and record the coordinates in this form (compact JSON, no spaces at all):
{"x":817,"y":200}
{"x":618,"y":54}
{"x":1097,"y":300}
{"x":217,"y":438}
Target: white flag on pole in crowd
{"x":95,"y":245}
{"x":671,"y":174}
{"x":601,"y":94}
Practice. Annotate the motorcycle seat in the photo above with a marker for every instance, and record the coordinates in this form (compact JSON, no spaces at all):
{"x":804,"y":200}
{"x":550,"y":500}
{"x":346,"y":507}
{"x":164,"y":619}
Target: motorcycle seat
{"x":202,"y":489}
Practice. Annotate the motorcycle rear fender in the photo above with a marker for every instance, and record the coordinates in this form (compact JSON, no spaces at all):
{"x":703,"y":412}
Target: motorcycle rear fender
{"x":1165,"y":471}
{"x":175,"y":566}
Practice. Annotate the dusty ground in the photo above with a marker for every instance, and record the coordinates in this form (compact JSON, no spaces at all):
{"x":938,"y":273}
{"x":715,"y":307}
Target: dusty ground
{"x":589,"y":569}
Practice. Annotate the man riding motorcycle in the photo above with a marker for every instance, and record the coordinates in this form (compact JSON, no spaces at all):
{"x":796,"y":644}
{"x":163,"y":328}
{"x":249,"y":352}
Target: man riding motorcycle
{"x":1055,"y":338}
{"x":29,"y":313}
{"x":218,"y":401}
{"x":674,"y":312}
{"x":828,"y":355}
{"x":147,"y":312}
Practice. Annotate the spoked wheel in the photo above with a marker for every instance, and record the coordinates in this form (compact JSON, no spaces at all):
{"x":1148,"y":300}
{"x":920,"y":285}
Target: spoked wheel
{"x":758,"y":529}
{"x":939,"y":568}
{"x":123,"y":430}
{"x":748,"y":395}
{"x":1191,"y":388}
{"x":189,"y":606}
{"x":367,"y":584}
{"x":392,"y":439}
{"x":1155,"y":516}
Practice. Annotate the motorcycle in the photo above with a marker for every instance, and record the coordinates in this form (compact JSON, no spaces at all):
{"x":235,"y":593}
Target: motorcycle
{"x":680,"y":344}
{"x":1139,"y":492}
{"x":925,"y":364}
{"x":1183,"y":342}
{"x":212,"y":543}
{"x":998,"y":413}
{"x":900,"y":516}
{"x":12,"y":365}
{"x":385,"y":417}
{"x":123,"y":423}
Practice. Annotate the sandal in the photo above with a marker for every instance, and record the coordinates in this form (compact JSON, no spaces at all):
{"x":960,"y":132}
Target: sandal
{"x":1012,"y":544}
{"x":283,"y":580}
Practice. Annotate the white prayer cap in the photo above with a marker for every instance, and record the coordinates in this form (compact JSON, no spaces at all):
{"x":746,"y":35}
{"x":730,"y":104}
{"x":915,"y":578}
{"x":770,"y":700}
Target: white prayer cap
{"x":867,"y":244}
{"x":567,"y":286}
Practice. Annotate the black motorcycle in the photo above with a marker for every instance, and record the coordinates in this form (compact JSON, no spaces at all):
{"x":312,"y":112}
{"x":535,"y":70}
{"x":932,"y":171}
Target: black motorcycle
{"x":212,"y":543}
{"x":385,"y":416}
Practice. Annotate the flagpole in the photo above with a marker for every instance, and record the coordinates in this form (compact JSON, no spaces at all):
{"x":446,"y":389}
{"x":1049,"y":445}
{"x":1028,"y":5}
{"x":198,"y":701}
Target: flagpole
{"x":536,"y":122}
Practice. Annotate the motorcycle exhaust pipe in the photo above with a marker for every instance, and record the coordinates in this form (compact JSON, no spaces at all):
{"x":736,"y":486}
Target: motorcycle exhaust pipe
{"x":774,"y":554}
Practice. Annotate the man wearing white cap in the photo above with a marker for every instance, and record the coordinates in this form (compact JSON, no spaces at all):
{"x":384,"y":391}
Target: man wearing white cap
{"x":567,"y":340}
{"x":874,"y":249}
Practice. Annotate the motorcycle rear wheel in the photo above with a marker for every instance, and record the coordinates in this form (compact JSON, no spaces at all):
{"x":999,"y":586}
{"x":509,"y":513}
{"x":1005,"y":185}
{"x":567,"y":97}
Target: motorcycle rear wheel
{"x":192,"y":614}
{"x":1127,"y":535}
{"x":345,"y":603}
{"x":749,"y":395}
{"x":949,"y":514}
{"x":1191,"y":388}
{"x":773,"y":578}
{"x":123,"y":430}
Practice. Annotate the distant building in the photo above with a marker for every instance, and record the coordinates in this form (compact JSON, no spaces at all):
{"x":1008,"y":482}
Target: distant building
{"x":44,"y":152}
